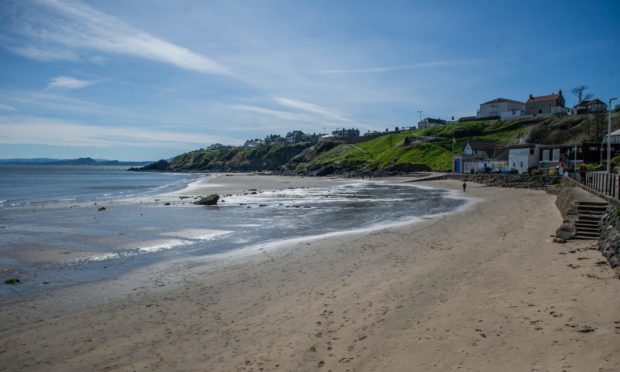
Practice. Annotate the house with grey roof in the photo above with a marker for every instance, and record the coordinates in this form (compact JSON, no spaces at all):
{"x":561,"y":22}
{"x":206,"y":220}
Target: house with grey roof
{"x":501,"y":108}
{"x":590,"y":106}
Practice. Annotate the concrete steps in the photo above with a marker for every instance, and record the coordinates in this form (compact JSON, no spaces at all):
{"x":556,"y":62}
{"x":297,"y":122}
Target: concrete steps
{"x":588,"y":224}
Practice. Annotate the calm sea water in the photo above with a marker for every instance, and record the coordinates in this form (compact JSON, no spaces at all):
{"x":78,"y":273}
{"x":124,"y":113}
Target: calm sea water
{"x":67,"y":244}
{"x":21,"y":185}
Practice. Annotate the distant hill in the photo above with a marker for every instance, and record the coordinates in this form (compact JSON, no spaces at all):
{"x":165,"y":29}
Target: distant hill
{"x":392,"y":153}
{"x":79,"y":161}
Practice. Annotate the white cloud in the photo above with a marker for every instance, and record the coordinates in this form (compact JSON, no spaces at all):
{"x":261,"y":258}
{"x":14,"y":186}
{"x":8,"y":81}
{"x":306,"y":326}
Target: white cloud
{"x":67,"y":82}
{"x":275,"y":113}
{"x":39,"y":131}
{"x":45,"y":55}
{"x":4,"y":107}
{"x":313,"y":108}
{"x":79,"y":26}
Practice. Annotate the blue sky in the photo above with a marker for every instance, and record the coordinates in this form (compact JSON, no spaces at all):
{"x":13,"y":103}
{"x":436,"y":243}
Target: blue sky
{"x":149,"y":79}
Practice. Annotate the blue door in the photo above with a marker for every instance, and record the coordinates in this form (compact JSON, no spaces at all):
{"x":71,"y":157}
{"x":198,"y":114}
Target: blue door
{"x":457,"y":166}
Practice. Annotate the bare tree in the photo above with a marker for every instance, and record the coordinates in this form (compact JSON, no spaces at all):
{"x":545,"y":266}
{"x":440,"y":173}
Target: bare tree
{"x":580,"y":92}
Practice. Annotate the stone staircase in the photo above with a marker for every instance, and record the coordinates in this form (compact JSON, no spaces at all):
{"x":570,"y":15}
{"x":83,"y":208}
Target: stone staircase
{"x":588,"y":223}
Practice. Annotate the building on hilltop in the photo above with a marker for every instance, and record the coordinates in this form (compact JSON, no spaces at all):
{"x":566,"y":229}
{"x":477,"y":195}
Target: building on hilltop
{"x":546,"y":105}
{"x":346,"y":133}
{"x":590,"y":106}
{"x":431,"y":123}
{"x":295,"y":136}
{"x":253,"y":142}
{"x":299,"y":137}
{"x":273,"y":139}
{"x":502,"y":108}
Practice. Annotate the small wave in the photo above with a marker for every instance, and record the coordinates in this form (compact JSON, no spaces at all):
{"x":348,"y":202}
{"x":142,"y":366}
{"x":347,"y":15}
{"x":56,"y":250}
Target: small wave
{"x":197,"y":234}
{"x":165,"y":245}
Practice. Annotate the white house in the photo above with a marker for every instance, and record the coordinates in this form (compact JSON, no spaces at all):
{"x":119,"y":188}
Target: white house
{"x":480,"y":149}
{"x":480,"y":157}
{"x":615,"y":137}
{"x":523,"y":157}
{"x":502,"y":107}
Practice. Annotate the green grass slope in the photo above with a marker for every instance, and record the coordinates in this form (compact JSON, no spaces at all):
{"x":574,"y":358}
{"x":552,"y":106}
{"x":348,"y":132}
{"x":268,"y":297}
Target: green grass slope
{"x":422,"y":149}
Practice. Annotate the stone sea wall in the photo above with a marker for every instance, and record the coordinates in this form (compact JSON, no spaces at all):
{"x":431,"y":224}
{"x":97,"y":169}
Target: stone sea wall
{"x":520,"y":181}
{"x":566,"y":202}
{"x":609,"y":243}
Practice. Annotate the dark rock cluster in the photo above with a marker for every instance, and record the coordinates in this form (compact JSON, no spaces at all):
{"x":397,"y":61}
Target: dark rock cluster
{"x":519,"y":181}
{"x":208,"y":200}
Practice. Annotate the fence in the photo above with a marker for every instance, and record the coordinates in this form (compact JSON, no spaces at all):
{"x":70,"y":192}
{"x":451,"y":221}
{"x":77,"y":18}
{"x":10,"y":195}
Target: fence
{"x":605,"y":183}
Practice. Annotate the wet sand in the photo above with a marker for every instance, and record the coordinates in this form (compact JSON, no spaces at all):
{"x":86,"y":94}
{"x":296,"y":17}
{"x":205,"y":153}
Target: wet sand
{"x":225,"y":184}
{"x":481,"y":289}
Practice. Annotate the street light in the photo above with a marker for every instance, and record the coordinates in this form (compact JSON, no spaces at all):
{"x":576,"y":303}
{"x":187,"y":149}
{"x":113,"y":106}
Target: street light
{"x":609,"y":134}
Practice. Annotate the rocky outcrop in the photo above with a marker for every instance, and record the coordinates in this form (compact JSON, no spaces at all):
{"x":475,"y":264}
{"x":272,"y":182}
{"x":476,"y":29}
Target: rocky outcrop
{"x":609,"y":243}
{"x":160,"y":165}
{"x":208,"y":200}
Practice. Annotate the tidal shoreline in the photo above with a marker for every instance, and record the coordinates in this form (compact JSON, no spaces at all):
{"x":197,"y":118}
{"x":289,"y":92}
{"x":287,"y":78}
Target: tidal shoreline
{"x":55,"y":245}
{"x":484,"y":288}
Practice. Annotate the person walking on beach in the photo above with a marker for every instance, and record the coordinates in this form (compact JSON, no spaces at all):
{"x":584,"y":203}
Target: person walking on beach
{"x":464,"y":186}
{"x":583,"y":170}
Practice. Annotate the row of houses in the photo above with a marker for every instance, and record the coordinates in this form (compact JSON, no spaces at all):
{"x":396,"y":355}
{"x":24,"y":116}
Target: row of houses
{"x":485,"y":157}
{"x":299,"y":137}
{"x":505,"y":109}
{"x":351,"y":135}
{"x":554,"y":103}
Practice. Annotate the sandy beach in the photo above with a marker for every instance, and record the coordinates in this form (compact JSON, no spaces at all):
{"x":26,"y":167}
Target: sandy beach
{"x":483,"y":289}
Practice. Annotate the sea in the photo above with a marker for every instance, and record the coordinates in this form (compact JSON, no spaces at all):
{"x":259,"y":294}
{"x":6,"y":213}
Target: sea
{"x":53,"y":233}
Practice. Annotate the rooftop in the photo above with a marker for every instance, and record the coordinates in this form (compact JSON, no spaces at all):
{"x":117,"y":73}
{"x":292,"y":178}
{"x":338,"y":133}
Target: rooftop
{"x":500,"y":100}
{"x":551,"y":97}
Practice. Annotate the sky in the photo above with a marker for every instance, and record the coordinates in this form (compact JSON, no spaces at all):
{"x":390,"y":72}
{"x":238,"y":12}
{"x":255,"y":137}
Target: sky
{"x":150,"y":79}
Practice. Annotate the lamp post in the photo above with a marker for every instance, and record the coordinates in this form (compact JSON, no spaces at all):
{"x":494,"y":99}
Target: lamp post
{"x":420,"y":112}
{"x":609,"y":134}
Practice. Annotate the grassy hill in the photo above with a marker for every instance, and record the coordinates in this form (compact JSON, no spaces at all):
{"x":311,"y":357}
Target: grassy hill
{"x":419,"y":149}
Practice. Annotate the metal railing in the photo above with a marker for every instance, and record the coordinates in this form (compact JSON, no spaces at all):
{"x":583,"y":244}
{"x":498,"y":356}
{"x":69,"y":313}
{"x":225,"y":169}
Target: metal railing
{"x":605,"y":183}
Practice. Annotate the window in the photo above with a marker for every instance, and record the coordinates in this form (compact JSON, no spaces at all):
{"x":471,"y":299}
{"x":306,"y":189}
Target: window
{"x":531,"y":151}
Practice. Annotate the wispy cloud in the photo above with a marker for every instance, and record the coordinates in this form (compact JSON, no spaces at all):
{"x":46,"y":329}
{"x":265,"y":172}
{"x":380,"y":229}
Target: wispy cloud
{"x":78,"y":26}
{"x":412,"y":66}
{"x":40,"y":131}
{"x":45,"y":55}
{"x":312,"y":108}
{"x":50,"y":102}
{"x":6,"y":108}
{"x":285,"y":115}
{"x":67,"y":82}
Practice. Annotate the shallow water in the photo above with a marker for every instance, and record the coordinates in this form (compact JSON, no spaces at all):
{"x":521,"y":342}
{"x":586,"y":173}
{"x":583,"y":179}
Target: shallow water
{"x":82,"y":244}
{"x":34,"y":185}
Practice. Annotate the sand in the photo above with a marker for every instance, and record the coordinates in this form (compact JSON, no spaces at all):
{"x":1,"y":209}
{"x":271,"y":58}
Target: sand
{"x":484,"y":289}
